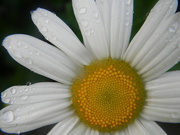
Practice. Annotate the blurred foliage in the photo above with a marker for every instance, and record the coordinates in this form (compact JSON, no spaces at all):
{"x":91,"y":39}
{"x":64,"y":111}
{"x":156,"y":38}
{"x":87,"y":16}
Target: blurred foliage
{"x":15,"y":18}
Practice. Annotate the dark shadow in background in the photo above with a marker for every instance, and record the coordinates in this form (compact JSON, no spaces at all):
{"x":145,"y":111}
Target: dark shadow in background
{"x":15,"y":18}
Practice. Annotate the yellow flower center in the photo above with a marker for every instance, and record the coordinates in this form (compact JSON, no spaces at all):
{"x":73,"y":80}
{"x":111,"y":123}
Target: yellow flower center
{"x":108,"y":94}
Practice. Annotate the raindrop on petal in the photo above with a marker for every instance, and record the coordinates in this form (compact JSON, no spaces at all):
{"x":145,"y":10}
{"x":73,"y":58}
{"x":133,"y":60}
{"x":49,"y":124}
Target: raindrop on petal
{"x":13,"y":90}
{"x":3,"y":94}
{"x":128,"y":2}
{"x":19,"y":44}
{"x":7,"y":116}
{"x":44,"y":29}
{"x":7,"y":100}
{"x":24,"y":97}
{"x":172,"y":29}
{"x":126,"y":23}
{"x":82,"y":10}
{"x":26,"y":89}
{"x":85,"y":23}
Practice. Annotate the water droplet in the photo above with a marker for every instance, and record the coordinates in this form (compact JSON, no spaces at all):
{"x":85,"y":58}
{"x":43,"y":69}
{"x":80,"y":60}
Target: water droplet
{"x":44,"y":29}
{"x":26,"y":89}
{"x":28,"y":83}
{"x":98,"y":20}
{"x":82,"y":10}
{"x":175,"y":116}
{"x":30,"y":52}
{"x":19,"y":44}
{"x":29,"y":61}
{"x":47,"y":21}
{"x":12,"y":102}
{"x":24,"y":97}
{"x":3,"y":95}
{"x":128,"y":2}
{"x":13,"y":90}
{"x":25,"y":46}
{"x":127,"y":13}
{"x":18,"y":132}
{"x":127,"y":23}
{"x":84,"y":23}
{"x":17,"y":118}
{"x":172,"y":29}
{"x":16,"y":54}
{"x":95,"y":14}
{"x":18,"y":109}
{"x":7,"y":116}
{"x":37,"y":52}
{"x":171,"y":6}
{"x":7,"y":100}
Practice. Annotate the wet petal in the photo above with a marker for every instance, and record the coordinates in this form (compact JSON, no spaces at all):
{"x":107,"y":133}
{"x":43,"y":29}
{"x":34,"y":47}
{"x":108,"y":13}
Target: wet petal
{"x":39,"y":92}
{"x":144,"y":127}
{"x":163,"y":97}
{"x":22,"y":118}
{"x":117,"y":17}
{"x":41,"y":57}
{"x":159,"y":14}
{"x":92,"y":27}
{"x":162,"y":50}
{"x":64,"y":127}
{"x":58,"y":33}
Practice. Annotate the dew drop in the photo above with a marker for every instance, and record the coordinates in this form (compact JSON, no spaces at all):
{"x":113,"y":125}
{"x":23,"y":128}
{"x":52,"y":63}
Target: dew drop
{"x":95,"y":14}
{"x":82,"y":10}
{"x":4,"y":95}
{"x":16,"y":54}
{"x":30,"y":52}
{"x":126,"y":23}
{"x":18,"y":109}
{"x":127,"y":13}
{"x":44,"y":29}
{"x":7,"y":116}
{"x":98,"y":20}
{"x":85,"y":23}
{"x":24,"y":97}
{"x":7,"y":100}
{"x":47,"y":21}
{"x":18,"y":132}
{"x":13,"y":90}
{"x":19,"y":44}
{"x":26,"y":89}
{"x":37,"y":53}
{"x":172,"y":29}
{"x":128,"y":2}
{"x":175,"y":116}
{"x":29,"y":61}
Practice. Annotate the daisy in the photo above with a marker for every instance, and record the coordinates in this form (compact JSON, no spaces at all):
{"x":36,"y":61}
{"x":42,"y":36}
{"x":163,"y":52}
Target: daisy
{"x":104,"y":87}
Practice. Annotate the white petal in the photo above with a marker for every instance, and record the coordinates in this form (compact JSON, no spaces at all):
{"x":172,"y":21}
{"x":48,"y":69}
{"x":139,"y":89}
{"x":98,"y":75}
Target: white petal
{"x":35,"y":93}
{"x":163,"y":98}
{"x":121,"y":132}
{"x":159,"y":14}
{"x":144,"y":127}
{"x":92,"y":27}
{"x":64,"y":127}
{"x":21,"y":123}
{"x":161,"y":114}
{"x":58,"y":33}
{"x":41,"y":57}
{"x":162,"y":52}
{"x":94,"y":132}
{"x":79,"y":129}
{"x":164,"y":88}
{"x":117,"y":18}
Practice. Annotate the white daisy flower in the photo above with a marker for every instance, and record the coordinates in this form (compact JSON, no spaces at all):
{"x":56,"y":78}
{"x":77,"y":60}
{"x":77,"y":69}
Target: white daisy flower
{"x":104,"y":87}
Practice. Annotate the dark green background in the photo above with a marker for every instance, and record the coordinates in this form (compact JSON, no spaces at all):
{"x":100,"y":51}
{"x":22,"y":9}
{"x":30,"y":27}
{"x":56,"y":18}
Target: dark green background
{"x":15,"y":18}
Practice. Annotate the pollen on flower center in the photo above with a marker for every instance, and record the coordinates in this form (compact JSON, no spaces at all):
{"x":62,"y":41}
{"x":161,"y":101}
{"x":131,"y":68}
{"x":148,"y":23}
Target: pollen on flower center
{"x":108,"y":94}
